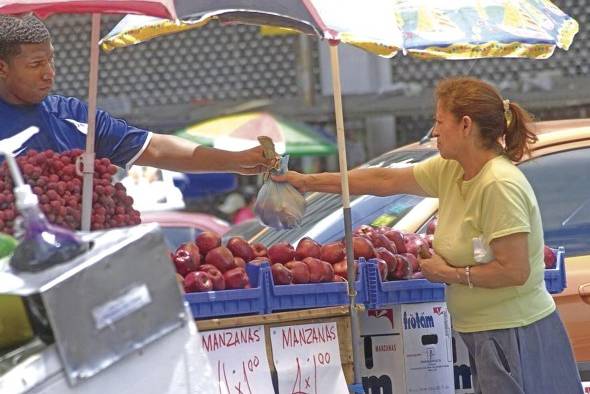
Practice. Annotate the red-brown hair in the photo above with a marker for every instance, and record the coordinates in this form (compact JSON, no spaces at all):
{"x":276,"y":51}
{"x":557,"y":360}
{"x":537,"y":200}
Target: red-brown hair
{"x":480,"y":101}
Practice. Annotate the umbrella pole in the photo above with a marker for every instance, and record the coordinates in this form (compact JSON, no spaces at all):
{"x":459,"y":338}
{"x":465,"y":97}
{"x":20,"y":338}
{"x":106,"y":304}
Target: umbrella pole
{"x":88,"y":155}
{"x":356,"y":387}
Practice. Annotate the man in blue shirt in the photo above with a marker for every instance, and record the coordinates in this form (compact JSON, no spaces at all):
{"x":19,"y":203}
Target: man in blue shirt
{"x":32,"y":119}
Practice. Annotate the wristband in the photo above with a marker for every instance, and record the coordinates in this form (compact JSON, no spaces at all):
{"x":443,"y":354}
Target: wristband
{"x":468,"y":275}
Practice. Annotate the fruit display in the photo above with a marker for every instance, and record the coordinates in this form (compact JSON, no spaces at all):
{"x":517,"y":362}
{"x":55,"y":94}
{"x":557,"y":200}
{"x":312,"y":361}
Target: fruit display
{"x":53,"y":178}
{"x":306,"y":262}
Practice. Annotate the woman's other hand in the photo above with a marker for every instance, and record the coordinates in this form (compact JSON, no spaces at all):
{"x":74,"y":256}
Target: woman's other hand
{"x":435,"y":269}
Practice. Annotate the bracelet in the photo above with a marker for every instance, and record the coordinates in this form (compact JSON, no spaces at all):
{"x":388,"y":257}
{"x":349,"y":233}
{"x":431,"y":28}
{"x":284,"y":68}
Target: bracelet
{"x":468,"y":275}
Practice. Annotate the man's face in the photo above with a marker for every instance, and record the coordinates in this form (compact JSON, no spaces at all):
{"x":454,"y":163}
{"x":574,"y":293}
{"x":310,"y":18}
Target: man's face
{"x":28,"y":77}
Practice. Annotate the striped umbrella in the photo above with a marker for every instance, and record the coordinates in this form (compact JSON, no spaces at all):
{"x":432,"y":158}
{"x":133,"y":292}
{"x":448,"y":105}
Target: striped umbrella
{"x":240,"y":131}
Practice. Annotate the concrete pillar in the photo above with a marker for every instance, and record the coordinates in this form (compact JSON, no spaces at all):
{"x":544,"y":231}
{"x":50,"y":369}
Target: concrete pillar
{"x":381,"y":134}
{"x":360,"y":71}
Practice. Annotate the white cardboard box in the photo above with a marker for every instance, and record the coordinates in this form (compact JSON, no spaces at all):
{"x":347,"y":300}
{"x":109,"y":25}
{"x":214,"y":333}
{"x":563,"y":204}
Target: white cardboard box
{"x":408,"y":347}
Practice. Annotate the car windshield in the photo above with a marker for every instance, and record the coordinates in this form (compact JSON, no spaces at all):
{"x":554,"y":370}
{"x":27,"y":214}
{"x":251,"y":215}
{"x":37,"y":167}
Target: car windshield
{"x":174,"y":236}
{"x":323,"y":213}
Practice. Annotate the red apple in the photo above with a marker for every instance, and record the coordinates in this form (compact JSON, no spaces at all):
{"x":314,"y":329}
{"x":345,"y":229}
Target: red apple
{"x":215,"y":275}
{"x":300,"y":271}
{"x":341,"y":268}
{"x":207,"y":241}
{"x":381,"y":241}
{"x":328,"y":271}
{"x":332,"y":252}
{"x":240,"y":248}
{"x":235,"y":278}
{"x":221,"y":258}
{"x":281,"y":252}
{"x":431,"y":227}
{"x":388,"y":257}
{"x":259,"y":249}
{"x":413,"y":242}
{"x":403,"y":269}
{"x":281,"y":275}
{"x":185,"y":262}
{"x":363,"y":229}
{"x":239,"y":262}
{"x":549,"y":257}
{"x":307,"y":247}
{"x":197,"y":281}
{"x":398,"y":239}
{"x":414,"y":265}
{"x":192,"y":249}
{"x":362,"y":247}
{"x":316,"y":269}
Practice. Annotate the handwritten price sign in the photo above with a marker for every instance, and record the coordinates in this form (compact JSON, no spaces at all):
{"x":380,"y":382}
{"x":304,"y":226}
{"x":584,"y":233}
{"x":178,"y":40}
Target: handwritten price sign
{"x":307,"y":359}
{"x":238,"y":359}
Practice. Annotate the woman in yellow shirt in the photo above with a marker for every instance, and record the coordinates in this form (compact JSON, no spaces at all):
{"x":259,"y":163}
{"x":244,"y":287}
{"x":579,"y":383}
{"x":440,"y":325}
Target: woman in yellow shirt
{"x":499,"y":304}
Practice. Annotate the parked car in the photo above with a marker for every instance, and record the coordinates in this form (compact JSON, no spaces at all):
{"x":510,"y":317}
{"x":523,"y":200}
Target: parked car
{"x":559,"y":172}
{"x":180,"y":227}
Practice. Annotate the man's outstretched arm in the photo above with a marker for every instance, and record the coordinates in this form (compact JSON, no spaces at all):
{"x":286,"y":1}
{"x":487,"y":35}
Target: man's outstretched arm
{"x":174,"y":153}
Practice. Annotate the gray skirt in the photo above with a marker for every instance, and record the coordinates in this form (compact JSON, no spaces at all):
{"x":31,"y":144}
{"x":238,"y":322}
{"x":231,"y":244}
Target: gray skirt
{"x":537,"y":359}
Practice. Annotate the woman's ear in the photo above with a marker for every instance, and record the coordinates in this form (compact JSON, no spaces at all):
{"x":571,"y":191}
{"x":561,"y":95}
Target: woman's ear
{"x":467,"y":125}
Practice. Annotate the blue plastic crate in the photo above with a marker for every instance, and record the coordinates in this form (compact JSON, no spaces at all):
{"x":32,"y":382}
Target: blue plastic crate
{"x":409,"y":291}
{"x":555,"y":279}
{"x":312,"y":295}
{"x":231,"y":302}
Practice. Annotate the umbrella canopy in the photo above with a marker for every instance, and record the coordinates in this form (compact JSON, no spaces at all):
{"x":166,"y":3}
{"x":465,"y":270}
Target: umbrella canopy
{"x":44,"y":8}
{"x":461,"y":29}
{"x":240,"y":131}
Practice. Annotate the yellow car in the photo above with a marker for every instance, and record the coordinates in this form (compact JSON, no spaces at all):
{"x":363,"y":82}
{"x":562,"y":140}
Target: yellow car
{"x":558,"y":170}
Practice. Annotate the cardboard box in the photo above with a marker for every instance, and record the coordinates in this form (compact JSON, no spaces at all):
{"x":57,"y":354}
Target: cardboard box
{"x":586,"y":386}
{"x":407,"y":349}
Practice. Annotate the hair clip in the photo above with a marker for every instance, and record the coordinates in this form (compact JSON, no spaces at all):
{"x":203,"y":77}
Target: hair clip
{"x":507,"y":112}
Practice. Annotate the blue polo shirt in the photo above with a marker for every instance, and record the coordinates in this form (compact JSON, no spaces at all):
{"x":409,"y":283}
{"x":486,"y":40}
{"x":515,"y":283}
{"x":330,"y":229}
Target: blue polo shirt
{"x":61,"y":124}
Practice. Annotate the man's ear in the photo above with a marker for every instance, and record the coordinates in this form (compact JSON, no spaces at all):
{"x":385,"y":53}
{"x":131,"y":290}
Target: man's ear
{"x":3,"y":69}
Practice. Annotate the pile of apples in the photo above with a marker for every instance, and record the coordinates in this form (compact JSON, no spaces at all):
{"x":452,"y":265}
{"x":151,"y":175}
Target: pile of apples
{"x":206,"y":264}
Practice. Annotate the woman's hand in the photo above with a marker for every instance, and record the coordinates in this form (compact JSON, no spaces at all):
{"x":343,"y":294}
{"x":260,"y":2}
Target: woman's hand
{"x":436,"y":269}
{"x":296,"y":179}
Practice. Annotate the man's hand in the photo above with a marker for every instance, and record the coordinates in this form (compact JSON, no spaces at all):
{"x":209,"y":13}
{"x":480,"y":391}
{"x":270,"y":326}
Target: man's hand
{"x":296,"y":179}
{"x":252,"y":161}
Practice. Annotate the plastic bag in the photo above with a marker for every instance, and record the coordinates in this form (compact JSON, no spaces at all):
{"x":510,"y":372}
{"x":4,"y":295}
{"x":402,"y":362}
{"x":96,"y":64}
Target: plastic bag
{"x":279,"y":205}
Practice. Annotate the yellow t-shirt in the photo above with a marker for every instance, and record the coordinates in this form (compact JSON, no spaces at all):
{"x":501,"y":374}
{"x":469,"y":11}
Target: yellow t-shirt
{"x":497,"y":202}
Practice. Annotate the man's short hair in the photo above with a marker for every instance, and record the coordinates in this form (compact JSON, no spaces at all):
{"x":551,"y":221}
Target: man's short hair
{"x":16,"y":30}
